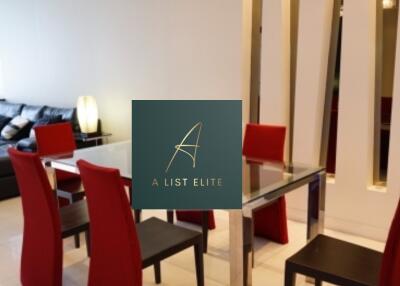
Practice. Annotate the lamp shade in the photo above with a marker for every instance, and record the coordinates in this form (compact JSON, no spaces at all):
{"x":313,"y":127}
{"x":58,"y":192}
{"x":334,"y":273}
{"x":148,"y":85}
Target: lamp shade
{"x":389,"y":4}
{"x":87,"y":114}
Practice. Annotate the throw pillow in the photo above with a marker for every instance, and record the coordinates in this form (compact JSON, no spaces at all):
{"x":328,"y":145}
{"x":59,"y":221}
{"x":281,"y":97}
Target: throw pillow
{"x":13,"y":127}
{"x":46,"y":120}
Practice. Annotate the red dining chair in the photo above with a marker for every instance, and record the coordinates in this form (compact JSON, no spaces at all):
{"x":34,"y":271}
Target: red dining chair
{"x":343,"y":263}
{"x":58,"y":140}
{"x":115,"y":251}
{"x":55,"y":139}
{"x":128,"y":184}
{"x":119,"y":247}
{"x":41,"y":262}
{"x":44,"y":224}
{"x":266,"y":143}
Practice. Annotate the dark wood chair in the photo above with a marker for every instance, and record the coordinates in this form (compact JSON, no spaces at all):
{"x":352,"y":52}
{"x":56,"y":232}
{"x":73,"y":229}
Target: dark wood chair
{"x":204,"y":222}
{"x":121,"y":248}
{"x":343,"y":263}
{"x":75,"y":220}
{"x":160,"y":240}
{"x":203,"y":218}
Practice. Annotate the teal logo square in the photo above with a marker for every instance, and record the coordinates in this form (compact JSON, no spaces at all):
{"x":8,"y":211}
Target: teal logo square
{"x":186,"y":154}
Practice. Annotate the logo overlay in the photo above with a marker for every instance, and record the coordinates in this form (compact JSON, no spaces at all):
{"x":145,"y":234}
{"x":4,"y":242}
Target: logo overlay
{"x":186,"y":154}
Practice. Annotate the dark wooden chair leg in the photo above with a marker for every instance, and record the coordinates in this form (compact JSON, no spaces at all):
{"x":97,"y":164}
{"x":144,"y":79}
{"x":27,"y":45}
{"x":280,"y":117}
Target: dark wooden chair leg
{"x":252,"y":243}
{"x":87,"y":238}
{"x":138,"y":216}
{"x":318,"y":282}
{"x":157,"y":272}
{"x":205,"y":230}
{"x":290,"y":277}
{"x":170,"y":216}
{"x":198,"y":257}
{"x":245,"y":265}
{"x":77,"y":241}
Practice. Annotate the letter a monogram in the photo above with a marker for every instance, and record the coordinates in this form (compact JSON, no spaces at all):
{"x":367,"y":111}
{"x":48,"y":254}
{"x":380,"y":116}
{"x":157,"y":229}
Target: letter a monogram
{"x":182,"y":145}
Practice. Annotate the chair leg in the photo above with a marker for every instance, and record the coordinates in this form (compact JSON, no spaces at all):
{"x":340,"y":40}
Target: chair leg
{"x":87,"y":238}
{"x":198,"y":256}
{"x":245,"y":265}
{"x":76,"y":236}
{"x":205,"y":230}
{"x":252,"y":243}
{"x":77,"y":241}
{"x":290,"y":277}
{"x":318,"y":282}
{"x":157,"y":272}
{"x":138,"y":216}
{"x":252,"y":257}
{"x":170,"y":216}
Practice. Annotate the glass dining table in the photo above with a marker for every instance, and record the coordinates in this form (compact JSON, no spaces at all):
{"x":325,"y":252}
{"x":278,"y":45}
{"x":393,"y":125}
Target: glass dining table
{"x":263,"y":183}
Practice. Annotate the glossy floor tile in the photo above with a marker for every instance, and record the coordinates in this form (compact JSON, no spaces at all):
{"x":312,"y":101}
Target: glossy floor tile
{"x":177,"y":270}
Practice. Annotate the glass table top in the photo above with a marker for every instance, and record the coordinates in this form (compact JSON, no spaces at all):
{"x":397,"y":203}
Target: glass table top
{"x":260,"y":179}
{"x":116,"y":155}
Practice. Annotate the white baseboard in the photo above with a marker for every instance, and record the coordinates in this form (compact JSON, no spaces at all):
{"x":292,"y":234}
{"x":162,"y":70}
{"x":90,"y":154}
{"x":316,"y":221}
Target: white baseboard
{"x":345,"y":226}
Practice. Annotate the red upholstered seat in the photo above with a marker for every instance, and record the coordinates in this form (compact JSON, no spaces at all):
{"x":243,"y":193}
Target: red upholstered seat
{"x":390,"y":274}
{"x":266,"y":143}
{"x":115,"y":249}
{"x":41,"y":262}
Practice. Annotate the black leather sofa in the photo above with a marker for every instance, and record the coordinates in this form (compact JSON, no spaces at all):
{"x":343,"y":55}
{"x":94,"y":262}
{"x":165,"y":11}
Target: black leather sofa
{"x":8,"y":184}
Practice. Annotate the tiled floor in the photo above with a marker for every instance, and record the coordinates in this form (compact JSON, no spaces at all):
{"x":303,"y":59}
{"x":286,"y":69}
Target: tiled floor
{"x":176,"y":271}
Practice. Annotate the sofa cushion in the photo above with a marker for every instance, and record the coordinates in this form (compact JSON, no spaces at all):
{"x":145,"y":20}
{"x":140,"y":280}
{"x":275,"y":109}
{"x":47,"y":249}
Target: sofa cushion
{"x":3,"y":121}
{"x":15,"y":126}
{"x":6,"y":168}
{"x":10,"y":109}
{"x":32,"y":112}
{"x":26,"y":145}
{"x":5,"y":165}
{"x":45,"y":120}
{"x":67,"y":114}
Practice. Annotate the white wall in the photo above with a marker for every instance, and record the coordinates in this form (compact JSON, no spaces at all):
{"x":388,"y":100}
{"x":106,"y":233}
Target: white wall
{"x":275,"y":62}
{"x":352,"y":204}
{"x":118,"y":50}
{"x":312,"y":59}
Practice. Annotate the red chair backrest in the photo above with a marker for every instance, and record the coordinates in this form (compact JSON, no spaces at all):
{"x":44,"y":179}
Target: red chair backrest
{"x":54,"y":139}
{"x":390,"y":268}
{"x":264,"y":142}
{"x":41,"y":262}
{"x":115,"y":249}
